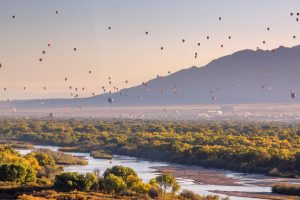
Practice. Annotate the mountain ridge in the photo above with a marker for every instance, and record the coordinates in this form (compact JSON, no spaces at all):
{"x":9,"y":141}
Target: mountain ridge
{"x":245,"y":76}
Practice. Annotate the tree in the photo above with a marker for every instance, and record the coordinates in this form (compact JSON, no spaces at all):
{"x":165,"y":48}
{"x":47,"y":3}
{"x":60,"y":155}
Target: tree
{"x":17,"y":173}
{"x":66,"y":181}
{"x":167,"y":182}
{"x":74,"y":181}
{"x":87,"y":182}
{"x":113,"y":184}
{"x":120,"y":171}
{"x":43,"y":158}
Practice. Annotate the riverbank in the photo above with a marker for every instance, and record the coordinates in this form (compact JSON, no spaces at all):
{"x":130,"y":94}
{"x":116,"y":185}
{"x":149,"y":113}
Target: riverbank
{"x":200,"y":175}
{"x":194,"y":178}
{"x":218,"y":177}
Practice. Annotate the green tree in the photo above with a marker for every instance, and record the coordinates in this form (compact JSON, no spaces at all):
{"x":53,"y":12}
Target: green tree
{"x":113,"y":184}
{"x":66,"y":181}
{"x":87,"y":182}
{"x":74,"y":181}
{"x":167,"y":182}
{"x":18,"y":173}
{"x":44,"y":159}
{"x":128,"y":175}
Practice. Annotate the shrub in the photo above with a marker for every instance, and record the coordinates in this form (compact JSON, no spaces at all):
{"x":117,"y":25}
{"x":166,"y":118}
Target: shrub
{"x":114,"y":184}
{"x":289,"y":189}
{"x":17,"y":173}
{"x":74,"y":181}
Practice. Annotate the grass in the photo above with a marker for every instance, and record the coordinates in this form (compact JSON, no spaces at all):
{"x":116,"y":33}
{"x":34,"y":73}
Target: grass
{"x":17,"y":144}
{"x":62,"y":158}
{"x":100,"y":154}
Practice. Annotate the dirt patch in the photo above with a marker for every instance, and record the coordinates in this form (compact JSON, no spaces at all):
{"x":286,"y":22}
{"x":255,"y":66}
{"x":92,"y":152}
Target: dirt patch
{"x":200,"y":175}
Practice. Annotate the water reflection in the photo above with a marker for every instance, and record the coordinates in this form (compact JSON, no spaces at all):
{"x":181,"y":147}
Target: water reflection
{"x":145,"y":170}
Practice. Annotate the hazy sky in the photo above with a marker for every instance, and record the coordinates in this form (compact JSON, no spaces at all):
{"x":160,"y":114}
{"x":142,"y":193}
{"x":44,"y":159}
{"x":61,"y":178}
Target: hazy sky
{"x":125,"y":52}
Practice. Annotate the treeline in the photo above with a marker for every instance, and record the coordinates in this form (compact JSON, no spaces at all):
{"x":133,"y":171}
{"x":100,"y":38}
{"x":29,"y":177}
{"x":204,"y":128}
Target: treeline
{"x":270,"y":148}
{"x":29,"y":176}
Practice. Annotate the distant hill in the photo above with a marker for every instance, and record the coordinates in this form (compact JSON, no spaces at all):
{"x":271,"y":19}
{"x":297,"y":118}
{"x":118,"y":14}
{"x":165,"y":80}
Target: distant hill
{"x":244,"y":77}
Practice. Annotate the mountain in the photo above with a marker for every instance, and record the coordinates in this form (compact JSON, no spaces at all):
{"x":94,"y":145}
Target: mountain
{"x":247,"y":76}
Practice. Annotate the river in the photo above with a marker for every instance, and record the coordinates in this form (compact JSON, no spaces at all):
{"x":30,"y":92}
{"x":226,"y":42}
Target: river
{"x":145,"y":170}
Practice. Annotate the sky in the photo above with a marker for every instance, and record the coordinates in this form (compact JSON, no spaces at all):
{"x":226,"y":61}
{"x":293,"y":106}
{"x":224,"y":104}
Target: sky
{"x":125,"y":52}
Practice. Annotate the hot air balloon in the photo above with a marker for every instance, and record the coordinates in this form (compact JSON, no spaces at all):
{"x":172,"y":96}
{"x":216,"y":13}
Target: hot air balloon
{"x":293,"y":94}
{"x":110,"y":100}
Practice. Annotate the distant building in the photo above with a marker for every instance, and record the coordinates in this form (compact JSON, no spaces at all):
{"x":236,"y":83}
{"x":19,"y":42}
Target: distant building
{"x":51,"y":115}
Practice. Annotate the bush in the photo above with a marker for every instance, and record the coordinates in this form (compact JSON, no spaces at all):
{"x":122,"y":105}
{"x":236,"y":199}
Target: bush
{"x":153,"y":192}
{"x":289,"y":189}
{"x":188,"y":195}
{"x":120,"y":171}
{"x":44,"y":159}
{"x":66,"y":181}
{"x":70,"y":181}
{"x":114,"y":184}
{"x":17,"y":173}
{"x":88,"y":182}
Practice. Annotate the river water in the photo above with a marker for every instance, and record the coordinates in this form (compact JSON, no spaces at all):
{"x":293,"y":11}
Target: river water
{"x":145,"y":170}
